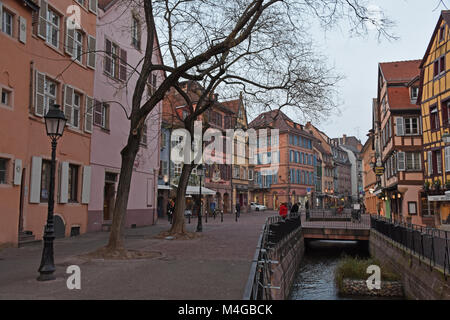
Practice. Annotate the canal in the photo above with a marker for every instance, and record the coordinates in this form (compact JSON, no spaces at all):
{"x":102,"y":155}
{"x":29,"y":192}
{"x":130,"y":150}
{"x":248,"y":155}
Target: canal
{"x":315,"y":277}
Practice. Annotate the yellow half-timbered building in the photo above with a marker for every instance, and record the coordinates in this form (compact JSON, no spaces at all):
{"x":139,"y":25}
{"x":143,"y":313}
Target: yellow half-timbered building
{"x":434,"y":99}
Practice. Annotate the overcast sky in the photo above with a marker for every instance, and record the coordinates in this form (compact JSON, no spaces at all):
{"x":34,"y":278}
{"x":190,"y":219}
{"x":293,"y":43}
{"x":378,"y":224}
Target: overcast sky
{"x":357,"y":59}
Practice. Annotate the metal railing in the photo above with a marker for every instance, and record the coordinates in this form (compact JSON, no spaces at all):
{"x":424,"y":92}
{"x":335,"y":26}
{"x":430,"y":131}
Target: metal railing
{"x":275,"y":229}
{"x":430,"y":244}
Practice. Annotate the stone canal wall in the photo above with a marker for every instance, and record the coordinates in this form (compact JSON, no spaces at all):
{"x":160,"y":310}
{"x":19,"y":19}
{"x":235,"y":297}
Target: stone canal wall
{"x":359,"y":288}
{"x":289,"y":253}
{"x":419,"y":279}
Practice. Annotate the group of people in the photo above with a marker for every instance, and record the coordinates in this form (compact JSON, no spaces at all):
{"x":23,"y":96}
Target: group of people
{"x":283,"y":211}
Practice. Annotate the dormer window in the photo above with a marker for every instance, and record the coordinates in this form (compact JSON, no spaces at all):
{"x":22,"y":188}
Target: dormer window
{"x":414,"y":93}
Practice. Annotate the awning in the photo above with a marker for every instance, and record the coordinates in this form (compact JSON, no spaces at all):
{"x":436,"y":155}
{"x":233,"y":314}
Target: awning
{"x":377,"y":192}
{"x":196,"y":190}
{"x":163,"y":187}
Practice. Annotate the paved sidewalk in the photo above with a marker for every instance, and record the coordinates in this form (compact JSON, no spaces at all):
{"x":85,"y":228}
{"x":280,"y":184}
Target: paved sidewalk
{"x":215,"y":266}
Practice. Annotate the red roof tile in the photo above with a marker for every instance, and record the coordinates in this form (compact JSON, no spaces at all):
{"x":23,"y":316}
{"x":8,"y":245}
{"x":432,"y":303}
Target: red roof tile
{"x":400,"y":71}
{"x":399,"y":98}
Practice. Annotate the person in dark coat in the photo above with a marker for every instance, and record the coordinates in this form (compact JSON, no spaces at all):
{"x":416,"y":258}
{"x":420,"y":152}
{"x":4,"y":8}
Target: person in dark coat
{"x":238,"y":209}
{"x":294,"y":208}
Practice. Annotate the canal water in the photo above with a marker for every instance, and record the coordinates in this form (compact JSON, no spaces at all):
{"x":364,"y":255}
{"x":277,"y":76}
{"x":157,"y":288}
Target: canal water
{"x":315,"y":277}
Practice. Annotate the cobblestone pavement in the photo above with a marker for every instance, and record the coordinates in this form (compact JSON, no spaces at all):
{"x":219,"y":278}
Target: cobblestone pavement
{"x":214,"y":266}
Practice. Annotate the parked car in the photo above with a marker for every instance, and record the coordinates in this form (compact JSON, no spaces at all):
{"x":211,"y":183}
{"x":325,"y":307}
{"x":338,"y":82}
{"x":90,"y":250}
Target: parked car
{"x":257,"y":207}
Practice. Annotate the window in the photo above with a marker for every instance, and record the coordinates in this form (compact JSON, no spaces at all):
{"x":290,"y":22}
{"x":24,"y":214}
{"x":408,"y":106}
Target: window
{"x":434,"y":118}
{"x":439,"y":66}
{"x":73,"y":183}
{"x":438,"y":161}
{"x":136,"y":33}
{"x":78,"y":46}
{"x":442,"y":34}
{"x":45,"y":180}
{"x":144,"y":135}
{"x":101,"y":114}
{"x":446,"y":113}
{"x":3,"y":170}
{"x":413,"y":161}
{"x":76,"y":110}
{"x":115,"y":61}
{"x":250,"y":174}
{"x":50,"y":89}
{"x":447,"y":159}
{"x":411,"y":125}
{"x":7,"y":23}
{"x":414,"y":93}
{"x":177,"y":168}
{"x":5,"y":97}
{"x":53,"y":22}
{"x":81,"y":2}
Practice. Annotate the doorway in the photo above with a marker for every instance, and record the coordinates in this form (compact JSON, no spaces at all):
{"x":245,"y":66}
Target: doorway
{"x":109,"y":197}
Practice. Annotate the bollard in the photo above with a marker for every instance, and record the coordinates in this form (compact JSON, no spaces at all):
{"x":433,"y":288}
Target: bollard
{"x":221,"y":216}
{"x":189,"y":219}
{"x":206,"y":217}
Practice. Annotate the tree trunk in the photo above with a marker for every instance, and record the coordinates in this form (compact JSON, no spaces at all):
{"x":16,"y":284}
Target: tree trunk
{"x":128,"y":155}
{"x":178,"y":224}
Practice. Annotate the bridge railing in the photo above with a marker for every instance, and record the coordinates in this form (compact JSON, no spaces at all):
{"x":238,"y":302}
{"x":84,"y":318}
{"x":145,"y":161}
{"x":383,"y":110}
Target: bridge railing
{"x":274,"y":230}
{"x":430,"y":244}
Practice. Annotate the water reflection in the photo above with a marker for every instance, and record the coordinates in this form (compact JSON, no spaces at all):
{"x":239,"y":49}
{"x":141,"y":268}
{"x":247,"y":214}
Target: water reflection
{"x":315,"y":278}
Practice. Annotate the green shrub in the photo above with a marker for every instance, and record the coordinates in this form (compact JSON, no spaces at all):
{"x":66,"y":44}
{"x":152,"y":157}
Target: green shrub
{"x":356,"y":269}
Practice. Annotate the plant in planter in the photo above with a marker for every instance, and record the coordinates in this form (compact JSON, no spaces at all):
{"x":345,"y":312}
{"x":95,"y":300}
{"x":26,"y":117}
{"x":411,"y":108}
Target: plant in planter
{"x":437,"y":185}
{"x":426,"y":186}
{"x":447,"y":185}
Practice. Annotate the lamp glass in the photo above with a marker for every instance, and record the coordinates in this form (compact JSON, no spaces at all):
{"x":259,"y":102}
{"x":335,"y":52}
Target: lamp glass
{"x":55,"y":122}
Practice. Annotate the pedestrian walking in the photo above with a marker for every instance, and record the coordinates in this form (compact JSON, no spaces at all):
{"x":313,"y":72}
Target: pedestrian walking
{"x":170,"y":208}
{"x":307,"y":209}
{"x":294,"y":209}
{"x":238,"y":210}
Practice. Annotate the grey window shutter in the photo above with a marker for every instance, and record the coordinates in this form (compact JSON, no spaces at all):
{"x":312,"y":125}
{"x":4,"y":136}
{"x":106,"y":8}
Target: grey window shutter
{"x":40,"y":94}
{"x":22,"y":29}
{"x":430,"y":162}
{"x":91,"y":52}
{"x":93,"y":4}
{"x":88,"y":115}
{"x":401,"y":161}
{"x":64,"y":183}
{"x":108,"y":61}
{"x":400,"y":126}
{"x":35,"y":183}
{"x":123,"y":65}
{"x":86,"y":192}
{"x":68,"y":102}
{"x":42,"y":29}
{"x":17,"y":172}
{"x":70,"y":38}
{"x":447,"y":159}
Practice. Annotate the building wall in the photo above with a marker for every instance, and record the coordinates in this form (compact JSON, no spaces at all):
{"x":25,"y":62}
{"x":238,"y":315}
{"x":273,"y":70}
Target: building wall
{"x":73,"y":147}
{"x":114,"y":25}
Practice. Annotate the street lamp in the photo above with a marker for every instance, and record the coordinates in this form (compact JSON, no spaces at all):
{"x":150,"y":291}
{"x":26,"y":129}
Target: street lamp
{"x":200,"y":173}
{"x":55,"y":122}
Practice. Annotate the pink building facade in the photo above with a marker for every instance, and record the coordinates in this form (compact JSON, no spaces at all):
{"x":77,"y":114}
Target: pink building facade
{"x":121,"y":43}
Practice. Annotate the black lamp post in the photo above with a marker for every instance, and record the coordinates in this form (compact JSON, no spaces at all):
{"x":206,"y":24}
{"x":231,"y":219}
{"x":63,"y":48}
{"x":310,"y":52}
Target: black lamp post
{"x":55,"y":122}
{"x":200,"y":173}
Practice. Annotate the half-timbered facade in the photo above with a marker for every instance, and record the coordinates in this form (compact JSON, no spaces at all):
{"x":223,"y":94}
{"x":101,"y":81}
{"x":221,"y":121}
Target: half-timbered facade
{"x":434,"y":101}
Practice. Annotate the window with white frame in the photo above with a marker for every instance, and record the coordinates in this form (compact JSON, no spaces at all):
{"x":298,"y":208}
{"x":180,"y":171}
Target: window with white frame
{"x":76,"y":110}
{"x":53,"y":27}
{"x":413,"y":161}
{"x":177,"y":168}
{"x":7,"y":22}
{"x":136,"y":33}
{"x":78,"y":46}
{"x":414,"y":93}
{"x":447,"y":159}
{"x":6,"y":97}
{"x":101,"y":114}
{"x":50,"y":96}
{"x":411,"y":126}
{"x":250,"y":174}
{"x":3,"y":170}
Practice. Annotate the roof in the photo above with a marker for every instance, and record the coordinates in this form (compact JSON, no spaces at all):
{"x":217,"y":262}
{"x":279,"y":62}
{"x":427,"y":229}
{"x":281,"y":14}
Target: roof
{"x":33,"y":4}
{"x":277,"y":119}
{"x":445,"y":15}
{"x":232,"y":105}
{"x":399,"y":99}
{"x":400,"y":71}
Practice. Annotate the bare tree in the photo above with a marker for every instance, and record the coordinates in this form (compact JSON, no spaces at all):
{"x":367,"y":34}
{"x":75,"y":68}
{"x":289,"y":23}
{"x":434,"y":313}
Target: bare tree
{"x":261,"y":47}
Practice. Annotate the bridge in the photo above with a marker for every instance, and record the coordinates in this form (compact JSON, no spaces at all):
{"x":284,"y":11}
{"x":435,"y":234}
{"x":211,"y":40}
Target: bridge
{"x":331,"y":225}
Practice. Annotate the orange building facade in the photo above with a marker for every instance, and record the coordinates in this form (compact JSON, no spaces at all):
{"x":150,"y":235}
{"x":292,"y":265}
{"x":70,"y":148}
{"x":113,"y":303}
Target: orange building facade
{"x":44,"y":61}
